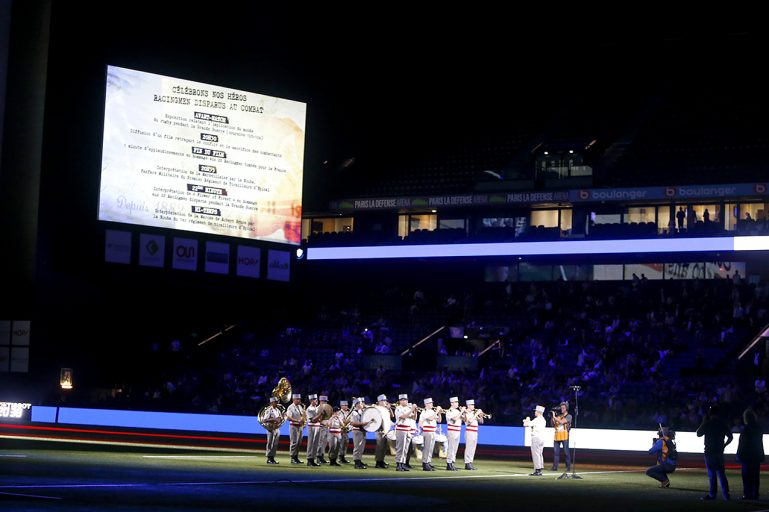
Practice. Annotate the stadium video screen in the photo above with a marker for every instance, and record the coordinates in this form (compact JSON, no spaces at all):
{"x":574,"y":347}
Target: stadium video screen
{"x":197,"y":157}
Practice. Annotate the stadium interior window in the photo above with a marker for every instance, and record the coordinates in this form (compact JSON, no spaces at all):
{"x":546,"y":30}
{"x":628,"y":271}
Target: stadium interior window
{"x":641,"y":214}
{"x":546,"y":218}
{"x":566,"y":220}
{"x":328,"y":225}
{"x":606,"y":218}
{"x":648,"y":270}
{"x":607,"y":272}
{"x":663,"y":219}
{"x":531,"y":272}
{"x":732,"y":214}
{"x":757,"y":211}
{"x":498,"y":222}
{"x":451,"y":224}
{"x":426,"y":221}
{"x":403,"y":226}
{"x":714,"y":212}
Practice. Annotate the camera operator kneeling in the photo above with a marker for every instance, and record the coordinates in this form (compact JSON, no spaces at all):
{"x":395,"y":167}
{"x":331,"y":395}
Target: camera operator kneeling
{"x":665,"y":449}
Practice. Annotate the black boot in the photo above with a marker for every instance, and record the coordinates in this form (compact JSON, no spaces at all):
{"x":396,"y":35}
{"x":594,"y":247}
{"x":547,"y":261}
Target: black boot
{"x":343,"y":460}
{"x":295,"y":460}
{"x":380,"y":465}
{"x":399,"y":467}
{"x":426,"y":467}
{"x":322,"y":460}
{"x":271,"y":460}
{"x":334,"y":462}
{"x":360,"y":465}
{"x":311,"y":462}
{"x":470,"y":467}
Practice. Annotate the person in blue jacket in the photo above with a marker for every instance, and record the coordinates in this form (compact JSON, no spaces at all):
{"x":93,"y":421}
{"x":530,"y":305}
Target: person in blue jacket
{"x":664,"y":448}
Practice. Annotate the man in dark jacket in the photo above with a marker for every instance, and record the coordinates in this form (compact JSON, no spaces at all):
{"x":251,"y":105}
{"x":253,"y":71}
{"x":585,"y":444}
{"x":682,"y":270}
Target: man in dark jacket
{"x":715,"y":430}
{"x":750,"y":453}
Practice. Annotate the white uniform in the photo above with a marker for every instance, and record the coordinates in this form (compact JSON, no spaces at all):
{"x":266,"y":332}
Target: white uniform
{"x":345,"y":441}
{"x":454,"y":428}
{"x":272,"y":435}
{"x":471,"y":435}
{"x":313,"y":432}
{"x":402,"y":430}
{"x":334,"y":436}
{"x":358,"y":436}
{"x":537,"y":426}
{"x":428,"y":420}
{"x":294,"y":415}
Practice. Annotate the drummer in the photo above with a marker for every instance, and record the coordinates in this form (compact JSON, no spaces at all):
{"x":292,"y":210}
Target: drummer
{"x":358,"y":432}
{"x":403,"y":414}
{"x":381,"y":437}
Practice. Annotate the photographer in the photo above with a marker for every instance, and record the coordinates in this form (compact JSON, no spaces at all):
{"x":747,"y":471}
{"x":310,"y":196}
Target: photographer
{"x":667,"y":456}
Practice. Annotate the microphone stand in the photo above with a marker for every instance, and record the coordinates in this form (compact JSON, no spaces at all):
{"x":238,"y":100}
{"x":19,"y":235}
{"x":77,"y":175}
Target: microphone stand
{"x":573,"y":475}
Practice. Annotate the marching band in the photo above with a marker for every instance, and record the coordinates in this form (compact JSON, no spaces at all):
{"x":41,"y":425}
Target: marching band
{"x":406,"y":424}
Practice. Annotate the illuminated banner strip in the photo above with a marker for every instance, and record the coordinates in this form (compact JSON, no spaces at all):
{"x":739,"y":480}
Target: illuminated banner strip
{"x":584,"y":438}
{"x":572,"y":247}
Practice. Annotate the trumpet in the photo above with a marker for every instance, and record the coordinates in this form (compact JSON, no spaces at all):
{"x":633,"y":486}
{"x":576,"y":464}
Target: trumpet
{"x":480,"y":414}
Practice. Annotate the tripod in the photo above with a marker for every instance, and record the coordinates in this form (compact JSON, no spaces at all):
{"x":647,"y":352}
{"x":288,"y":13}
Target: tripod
{"x":573,"y":474}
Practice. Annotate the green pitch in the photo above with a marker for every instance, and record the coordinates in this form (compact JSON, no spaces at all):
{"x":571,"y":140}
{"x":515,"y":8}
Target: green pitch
{"x":103,"y":479}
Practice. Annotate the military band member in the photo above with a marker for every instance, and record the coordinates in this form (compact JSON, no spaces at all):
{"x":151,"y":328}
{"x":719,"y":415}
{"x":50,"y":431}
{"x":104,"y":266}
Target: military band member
{"x":274,"y":417}
{"x":454,"y":428}
{"x":335,"y":423}
{"x":537,"y":426}
{"x":403,"y":413}
{"x":410,"y":447}
{"x":428,"y":421}
{"x":562,"y":424}
{"x":313,"y":429}
{"x":381,"y":437}
{"x":326,"y":411}
{"x":296,"y":419}
{"x":344,"y":408}
{"x":472,"y":418}
{"x":358,"y":433}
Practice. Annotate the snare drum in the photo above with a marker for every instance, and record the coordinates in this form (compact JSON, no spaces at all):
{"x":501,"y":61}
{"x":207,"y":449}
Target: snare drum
{"x":441,"y":438}
{"x":418,"y":439}
{"x":390,"y":435}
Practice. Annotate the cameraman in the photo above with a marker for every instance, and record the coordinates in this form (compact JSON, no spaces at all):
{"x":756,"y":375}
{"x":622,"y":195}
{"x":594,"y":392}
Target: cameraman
{"x":667,"y":456}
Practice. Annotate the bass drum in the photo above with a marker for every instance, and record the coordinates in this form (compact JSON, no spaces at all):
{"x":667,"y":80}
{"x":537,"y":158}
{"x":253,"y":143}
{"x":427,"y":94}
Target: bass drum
{"x":373,"y":415}
{"x":387,"y":422}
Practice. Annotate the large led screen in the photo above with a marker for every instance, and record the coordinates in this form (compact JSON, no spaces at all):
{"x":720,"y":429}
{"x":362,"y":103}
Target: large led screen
{"x":197,"y":157}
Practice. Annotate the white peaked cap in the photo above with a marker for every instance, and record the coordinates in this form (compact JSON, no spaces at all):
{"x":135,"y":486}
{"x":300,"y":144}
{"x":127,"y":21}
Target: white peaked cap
{"x":381,"y":398}
{"x":296,"y":395}
{"x":343,"y":402}
{"x":313,"y":397}
{"x":539,"y":408}
{"x":454,"y":399}
{"x":470,"y":402}
{"x":323,"y":397}
{"x":356,"y":401}
{"x":428,"y":401}
{"x":403,"y":396}
{"x":273,"y":399}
